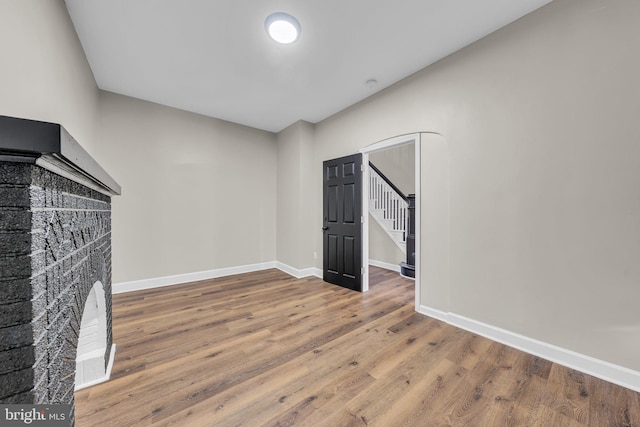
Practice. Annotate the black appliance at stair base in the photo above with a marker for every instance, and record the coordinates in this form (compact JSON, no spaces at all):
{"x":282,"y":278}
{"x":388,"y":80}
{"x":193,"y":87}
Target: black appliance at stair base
{"x":408,"y":268}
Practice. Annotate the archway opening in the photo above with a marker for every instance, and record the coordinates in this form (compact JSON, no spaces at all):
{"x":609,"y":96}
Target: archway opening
{"x":91,"y":356}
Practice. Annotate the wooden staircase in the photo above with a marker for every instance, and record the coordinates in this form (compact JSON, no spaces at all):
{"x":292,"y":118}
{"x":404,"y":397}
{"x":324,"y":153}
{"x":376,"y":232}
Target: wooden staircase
{"x":390,"y":209}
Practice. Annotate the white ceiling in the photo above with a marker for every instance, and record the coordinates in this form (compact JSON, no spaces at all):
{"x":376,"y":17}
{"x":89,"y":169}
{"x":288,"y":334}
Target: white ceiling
{"x":214,"y":57}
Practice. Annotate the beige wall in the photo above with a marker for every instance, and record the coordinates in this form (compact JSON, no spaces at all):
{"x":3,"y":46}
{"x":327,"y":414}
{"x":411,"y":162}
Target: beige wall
{"x":381,"y":247}
{"x":295,"y":245}
{"x":399,"y":165}
{"x":45,"y":75}
{"x":198,"y":193}
{"x":435,"y":227}
{"x":541,"y":122}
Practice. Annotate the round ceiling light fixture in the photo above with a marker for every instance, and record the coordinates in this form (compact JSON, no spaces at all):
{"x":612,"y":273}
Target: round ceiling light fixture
{"x":282,"y":27}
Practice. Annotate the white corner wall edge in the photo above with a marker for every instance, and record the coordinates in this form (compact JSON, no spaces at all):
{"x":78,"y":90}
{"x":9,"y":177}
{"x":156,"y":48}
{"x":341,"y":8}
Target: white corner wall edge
{"x":299,"y":273}
{"x":385,"y":265}
{"x":610,"y":372}
{"x":107,"y":374}
{"x":157,"y":282}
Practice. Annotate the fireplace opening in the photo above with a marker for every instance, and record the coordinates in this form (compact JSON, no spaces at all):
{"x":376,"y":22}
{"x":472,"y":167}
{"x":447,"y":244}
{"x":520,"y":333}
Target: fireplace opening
{"x":92,"y":365}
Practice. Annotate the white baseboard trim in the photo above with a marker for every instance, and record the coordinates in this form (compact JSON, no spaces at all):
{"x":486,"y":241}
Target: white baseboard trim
{"x":616,"y":374}
{"x":178,"y":279}
{"x":386,"y":265}
{"x":299,"y":273}
{"x":432,"y":312}
{"x":157,"y":282}
{"x":107,"y":374}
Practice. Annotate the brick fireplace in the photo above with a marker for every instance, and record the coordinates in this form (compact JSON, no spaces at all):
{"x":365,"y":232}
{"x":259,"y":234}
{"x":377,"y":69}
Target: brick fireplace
{"x":55,"y":264}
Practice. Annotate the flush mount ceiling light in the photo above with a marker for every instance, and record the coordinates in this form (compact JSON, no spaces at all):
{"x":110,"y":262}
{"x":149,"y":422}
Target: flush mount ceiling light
{"x":282,"y":27}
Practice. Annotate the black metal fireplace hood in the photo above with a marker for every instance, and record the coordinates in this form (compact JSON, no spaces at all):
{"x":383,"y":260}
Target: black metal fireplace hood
{"x":51,"y":147}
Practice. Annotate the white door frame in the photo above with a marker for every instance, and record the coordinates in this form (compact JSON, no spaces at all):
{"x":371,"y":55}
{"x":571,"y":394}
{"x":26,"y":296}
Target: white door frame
{"x":397,"y":141}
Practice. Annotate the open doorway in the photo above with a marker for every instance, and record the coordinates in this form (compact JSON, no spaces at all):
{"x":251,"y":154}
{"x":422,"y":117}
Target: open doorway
{"x":392,"y":209}
{"x":431,"y":285}
{"x":400,"y":156}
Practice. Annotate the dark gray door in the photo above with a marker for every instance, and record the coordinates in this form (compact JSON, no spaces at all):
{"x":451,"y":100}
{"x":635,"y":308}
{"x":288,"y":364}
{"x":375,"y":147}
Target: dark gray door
{"x":342,"y":227}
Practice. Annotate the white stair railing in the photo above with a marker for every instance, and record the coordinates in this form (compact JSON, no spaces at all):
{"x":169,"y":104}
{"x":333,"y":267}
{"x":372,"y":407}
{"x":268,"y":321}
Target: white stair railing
{"x":388,"y":207}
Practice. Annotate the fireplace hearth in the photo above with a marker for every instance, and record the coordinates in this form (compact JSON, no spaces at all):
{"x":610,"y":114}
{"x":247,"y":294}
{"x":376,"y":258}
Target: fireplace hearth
{"x":55,"y":264}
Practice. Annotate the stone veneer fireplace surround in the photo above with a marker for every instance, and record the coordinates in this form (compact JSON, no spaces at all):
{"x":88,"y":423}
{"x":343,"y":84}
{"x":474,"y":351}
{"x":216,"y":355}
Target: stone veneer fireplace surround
{"x":55,"y":260}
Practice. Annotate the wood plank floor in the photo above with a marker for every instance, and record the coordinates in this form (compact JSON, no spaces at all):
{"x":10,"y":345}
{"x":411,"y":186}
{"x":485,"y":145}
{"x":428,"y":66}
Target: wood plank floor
{"x":266,"y":349}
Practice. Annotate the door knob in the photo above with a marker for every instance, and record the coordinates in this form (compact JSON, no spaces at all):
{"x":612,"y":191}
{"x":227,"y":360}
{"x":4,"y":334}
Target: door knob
{"x":325,"y":228}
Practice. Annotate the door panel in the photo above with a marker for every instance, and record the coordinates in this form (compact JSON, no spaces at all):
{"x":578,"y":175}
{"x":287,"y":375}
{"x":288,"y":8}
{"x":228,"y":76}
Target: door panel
{"x":349,"y":169}
{"x":342,"y":213}
{"x":349,"y":257}
{"x":348,"y":202}
{"x":333,"y":253}
{"x":333,"y":202}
